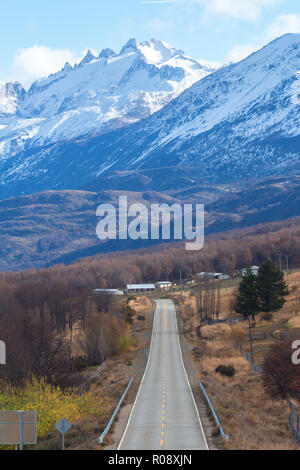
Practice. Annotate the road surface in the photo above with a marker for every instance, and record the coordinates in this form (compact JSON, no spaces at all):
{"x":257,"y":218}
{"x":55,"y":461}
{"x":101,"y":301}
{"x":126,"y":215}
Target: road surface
{"x":164,"y":415}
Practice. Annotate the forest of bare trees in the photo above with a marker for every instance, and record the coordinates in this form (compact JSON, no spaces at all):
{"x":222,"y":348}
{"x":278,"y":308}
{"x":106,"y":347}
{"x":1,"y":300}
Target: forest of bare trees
{"x":38,"y":309}
{"x":208,"y":298}
{"x":222,"y":253}
{"x":37,"y":321}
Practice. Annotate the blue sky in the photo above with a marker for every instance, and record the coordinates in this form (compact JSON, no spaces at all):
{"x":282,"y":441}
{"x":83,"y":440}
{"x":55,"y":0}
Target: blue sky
{"x":37,"y":37}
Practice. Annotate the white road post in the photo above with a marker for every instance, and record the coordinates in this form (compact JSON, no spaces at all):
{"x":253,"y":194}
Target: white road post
{"x":21,"y":437}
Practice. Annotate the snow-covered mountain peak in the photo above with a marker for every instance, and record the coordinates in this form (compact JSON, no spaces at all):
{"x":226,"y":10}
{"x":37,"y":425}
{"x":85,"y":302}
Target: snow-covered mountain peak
{"x":130,"y":46}
{"x":87,"y":58}
{"x":153,"y":51}
{"x":244,"y":117}
{"x":107,"y":53}
{"x":283,"y":43}
{"x":67,"y":67}
{"x":98,"y":95}
{"x":158,"y":51}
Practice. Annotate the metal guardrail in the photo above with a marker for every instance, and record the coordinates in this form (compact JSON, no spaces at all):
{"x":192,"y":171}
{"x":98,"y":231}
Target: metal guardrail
{"x":214,"y":413}
{"x":101,"y":438}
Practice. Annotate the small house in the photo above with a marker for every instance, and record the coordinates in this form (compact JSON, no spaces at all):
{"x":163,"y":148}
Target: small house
{"x":164,"y":285}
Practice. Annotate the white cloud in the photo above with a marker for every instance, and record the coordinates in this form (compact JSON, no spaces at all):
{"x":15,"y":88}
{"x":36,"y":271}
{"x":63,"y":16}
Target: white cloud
{"x":241,"y":9}
{"x":240,"y":52}
{"x":38,"y":61}
{"x":284,"y":24}
{"x":157,"y":26}
{"x":248,"y":10}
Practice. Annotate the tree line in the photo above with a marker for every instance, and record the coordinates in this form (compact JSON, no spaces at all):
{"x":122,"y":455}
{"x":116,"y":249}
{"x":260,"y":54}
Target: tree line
{"x":221,"y":253}
{"x":38,"y":321}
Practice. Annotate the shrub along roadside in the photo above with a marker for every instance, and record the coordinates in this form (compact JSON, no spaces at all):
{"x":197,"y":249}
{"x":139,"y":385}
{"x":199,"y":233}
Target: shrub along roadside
{"x":51,"y":403}
{"x":226,"y":371}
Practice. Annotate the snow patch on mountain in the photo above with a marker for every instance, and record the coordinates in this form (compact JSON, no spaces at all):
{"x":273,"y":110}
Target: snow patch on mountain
{"x":10,"y":94}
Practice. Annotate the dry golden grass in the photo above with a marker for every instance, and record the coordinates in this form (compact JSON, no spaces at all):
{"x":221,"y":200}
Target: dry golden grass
{"x":226,"y":299}
{"x":214,"y":331}
{"x":227,"y":295}
{"x":251,"y":419}
{"x":248,"y":415}
{"x":294,"y":322}
{"x":141,"y":305}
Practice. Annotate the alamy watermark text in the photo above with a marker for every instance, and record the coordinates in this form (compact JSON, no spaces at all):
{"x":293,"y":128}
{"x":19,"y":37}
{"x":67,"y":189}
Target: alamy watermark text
{"x":160,"y":222}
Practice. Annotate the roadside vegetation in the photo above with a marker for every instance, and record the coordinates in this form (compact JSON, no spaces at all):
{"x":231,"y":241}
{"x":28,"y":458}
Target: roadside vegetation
{"x":252,"y":407}
{"x":70,"y":355}
{"x":52,"y":403}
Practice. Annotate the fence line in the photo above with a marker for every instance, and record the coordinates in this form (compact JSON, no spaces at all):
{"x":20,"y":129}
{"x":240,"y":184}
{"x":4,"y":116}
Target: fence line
{"x":214,"y":413}
{"x":257,"y":369}
{"x":101,"y":438}
{"x":294,"y":422}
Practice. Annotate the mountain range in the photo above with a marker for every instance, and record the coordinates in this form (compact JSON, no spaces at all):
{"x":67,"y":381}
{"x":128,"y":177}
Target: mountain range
{"x":158,"y":124}
{"x":97,"y":95}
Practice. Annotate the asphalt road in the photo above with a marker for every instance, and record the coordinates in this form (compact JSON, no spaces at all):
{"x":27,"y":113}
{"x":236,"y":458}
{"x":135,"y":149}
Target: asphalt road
{"x":164,"y":415}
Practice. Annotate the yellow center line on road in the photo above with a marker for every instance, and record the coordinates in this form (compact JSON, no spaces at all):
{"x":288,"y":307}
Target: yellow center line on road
{"x":164,"y":378}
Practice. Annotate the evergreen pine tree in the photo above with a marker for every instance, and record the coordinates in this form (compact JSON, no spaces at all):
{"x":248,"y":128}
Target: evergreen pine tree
{"x":247,"y":299}
{"x":272,"y":288}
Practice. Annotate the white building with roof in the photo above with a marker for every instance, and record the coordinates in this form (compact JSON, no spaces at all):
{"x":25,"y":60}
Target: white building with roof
{"x":164,"y":285}
{"x":205,"y":274}
{"x":222,"y":276}
{"x":108,"y":291}
{"x":135,"y":288}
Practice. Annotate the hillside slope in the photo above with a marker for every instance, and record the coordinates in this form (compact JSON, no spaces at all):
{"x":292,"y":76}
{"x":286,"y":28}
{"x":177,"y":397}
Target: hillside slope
{"x":60,"y":226}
